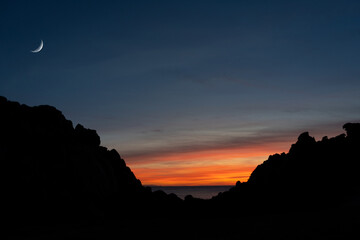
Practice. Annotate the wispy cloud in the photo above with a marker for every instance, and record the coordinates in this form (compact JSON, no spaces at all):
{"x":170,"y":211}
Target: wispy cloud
{"x":264,"y":139}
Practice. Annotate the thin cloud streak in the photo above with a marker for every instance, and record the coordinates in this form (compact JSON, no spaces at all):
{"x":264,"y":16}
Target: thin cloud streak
{"x":263,"y":139}
{"x":232,"y":143}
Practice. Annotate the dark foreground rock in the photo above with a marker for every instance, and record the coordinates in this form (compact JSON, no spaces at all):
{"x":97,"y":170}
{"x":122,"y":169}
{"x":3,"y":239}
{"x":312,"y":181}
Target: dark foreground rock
{"x":57,"y":174}
{"x":59,"y":183}
{"x":313,"y":175}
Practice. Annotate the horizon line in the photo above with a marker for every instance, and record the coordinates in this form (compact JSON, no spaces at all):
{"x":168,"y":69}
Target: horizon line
{"x":188,"y":185}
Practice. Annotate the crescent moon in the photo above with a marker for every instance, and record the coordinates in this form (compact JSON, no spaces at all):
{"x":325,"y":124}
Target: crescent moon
{"x":39,"y":48}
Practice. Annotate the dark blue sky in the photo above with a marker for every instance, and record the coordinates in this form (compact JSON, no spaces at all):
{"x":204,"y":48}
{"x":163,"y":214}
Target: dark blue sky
{"x":157,"y":76}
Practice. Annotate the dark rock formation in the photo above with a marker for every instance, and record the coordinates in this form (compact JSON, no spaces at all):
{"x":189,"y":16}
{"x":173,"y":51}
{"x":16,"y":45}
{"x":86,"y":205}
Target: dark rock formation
{"x":55,"y":173}
{"x":58,"y":175}
{"x":352,"y":131}
{"x":312,"y":175}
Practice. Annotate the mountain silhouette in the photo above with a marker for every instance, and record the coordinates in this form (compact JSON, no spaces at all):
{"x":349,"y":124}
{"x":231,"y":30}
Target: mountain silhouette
{"x":58,"y":178}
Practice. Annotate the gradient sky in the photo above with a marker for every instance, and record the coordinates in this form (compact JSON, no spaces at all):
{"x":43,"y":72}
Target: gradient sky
{"x":188,"y":92}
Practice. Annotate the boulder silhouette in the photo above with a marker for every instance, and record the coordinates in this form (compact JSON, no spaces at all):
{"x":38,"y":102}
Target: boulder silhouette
{"x":86,"y":136}
{"x":352,"y":131}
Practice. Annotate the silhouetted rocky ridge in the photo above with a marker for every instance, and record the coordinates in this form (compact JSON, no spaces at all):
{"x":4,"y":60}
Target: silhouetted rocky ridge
{"x":56,"y":174}
{"x":313,"y":175}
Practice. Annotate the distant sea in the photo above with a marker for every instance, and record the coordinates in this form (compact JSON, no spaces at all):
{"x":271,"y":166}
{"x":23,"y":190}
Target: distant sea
{"x":204,"y":192}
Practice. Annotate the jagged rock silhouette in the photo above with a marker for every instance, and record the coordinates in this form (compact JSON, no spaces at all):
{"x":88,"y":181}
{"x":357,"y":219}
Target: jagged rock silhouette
{"x":57,"y":175}
{"x":312,"y":175}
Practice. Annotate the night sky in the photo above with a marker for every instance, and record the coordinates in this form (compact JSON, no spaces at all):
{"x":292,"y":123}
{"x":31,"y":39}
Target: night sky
{"x":188,"y":92}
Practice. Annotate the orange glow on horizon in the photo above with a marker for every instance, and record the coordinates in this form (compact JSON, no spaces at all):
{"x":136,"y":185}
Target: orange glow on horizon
{"x":212,"y":167}
{"x":211,"y":175}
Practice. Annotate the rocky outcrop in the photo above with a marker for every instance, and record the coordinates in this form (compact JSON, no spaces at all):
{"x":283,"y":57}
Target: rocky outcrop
{"x":57,"y":173}
{"x":312,"y":175}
